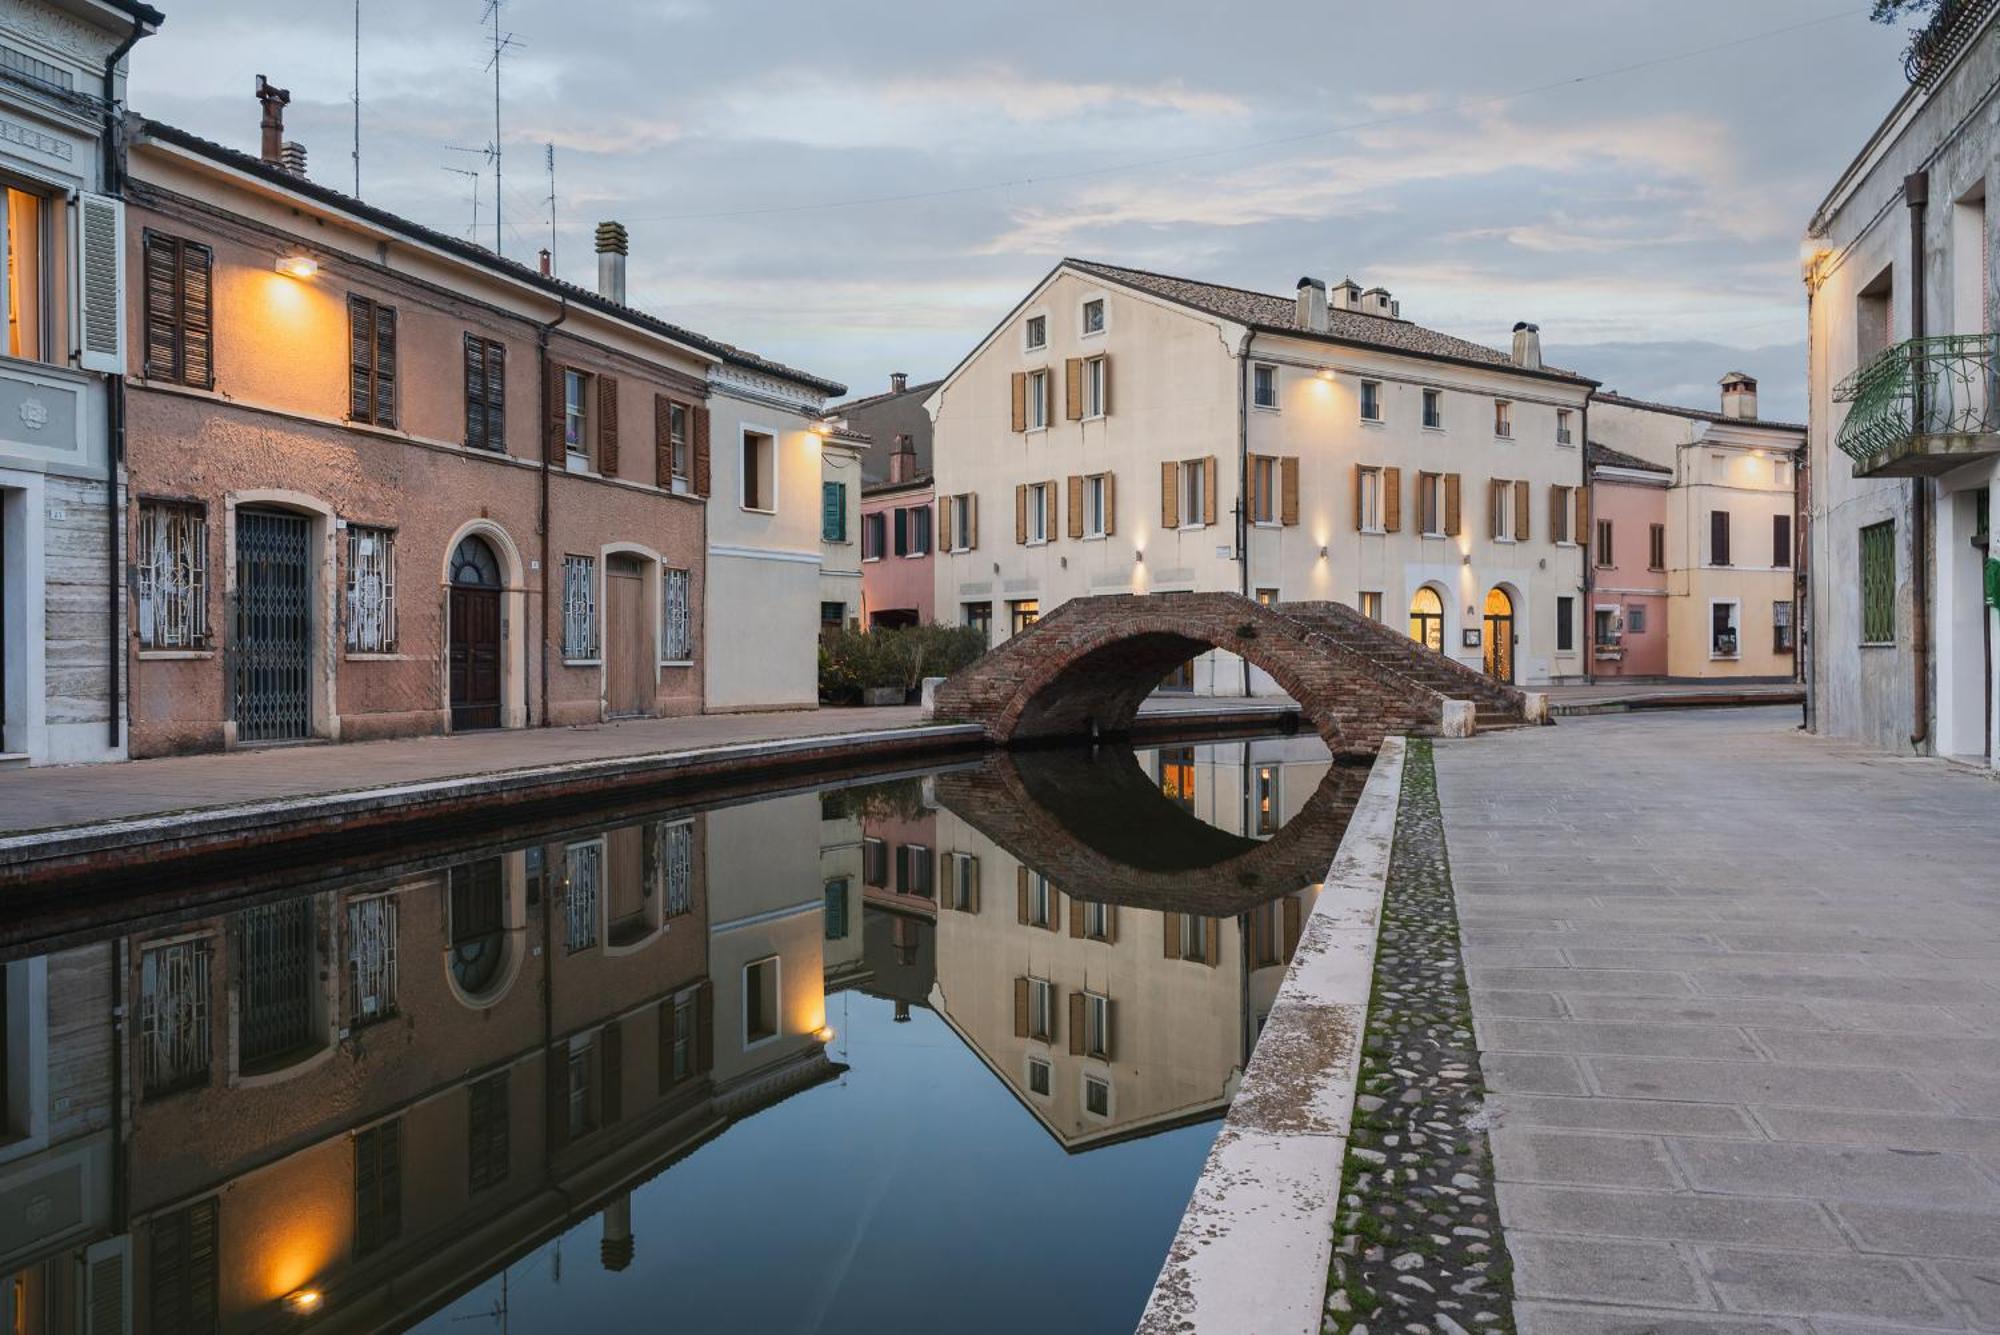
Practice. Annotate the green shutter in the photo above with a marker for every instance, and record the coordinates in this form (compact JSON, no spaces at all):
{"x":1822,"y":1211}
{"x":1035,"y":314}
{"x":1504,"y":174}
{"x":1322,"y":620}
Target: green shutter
{"x":833,"y":512}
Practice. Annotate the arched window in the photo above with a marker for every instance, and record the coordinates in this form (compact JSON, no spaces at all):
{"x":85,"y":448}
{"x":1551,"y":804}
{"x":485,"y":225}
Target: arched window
{"x":473,"y":564}
{"x":1427,"y":619}
{"x":478,"y":929}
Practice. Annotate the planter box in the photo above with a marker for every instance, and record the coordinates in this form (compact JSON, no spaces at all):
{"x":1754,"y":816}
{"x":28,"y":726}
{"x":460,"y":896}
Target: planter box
{"x":883,"y":695}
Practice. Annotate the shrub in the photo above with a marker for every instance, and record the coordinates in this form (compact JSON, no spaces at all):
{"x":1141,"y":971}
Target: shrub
{"x":852,"y":661}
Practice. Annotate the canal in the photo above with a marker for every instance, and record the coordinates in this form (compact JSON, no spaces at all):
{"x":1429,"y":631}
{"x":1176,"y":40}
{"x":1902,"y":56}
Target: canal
{"x":925,"y":1052}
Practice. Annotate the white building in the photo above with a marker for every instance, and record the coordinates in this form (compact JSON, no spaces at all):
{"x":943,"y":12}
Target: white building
{"x":1124,"y":431}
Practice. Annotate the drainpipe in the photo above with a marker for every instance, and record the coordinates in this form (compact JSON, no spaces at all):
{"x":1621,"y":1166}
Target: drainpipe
{"x":1805,"y":537}
{"x":1916,"y":193}
{"x":1243,"y":478}
{"x":113,"y":184}
{"x":542,"y":332}
{"x":1587,"y":621}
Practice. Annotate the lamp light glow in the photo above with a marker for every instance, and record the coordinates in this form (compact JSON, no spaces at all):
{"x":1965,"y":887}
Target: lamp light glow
{"x":304,"y":1302}
{"x":297,"y":264}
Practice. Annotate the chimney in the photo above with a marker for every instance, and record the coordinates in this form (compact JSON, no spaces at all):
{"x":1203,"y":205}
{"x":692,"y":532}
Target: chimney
{"x":899,"y":383}
{"x":273,"y":99}
{"x":1376,"y":301}
{"x":546,"y":263}
{"x":612,"y":244}
{"x":1739,"y":396}
{"x":615,"y":1248}
{"x":1312,"y":306}
{"x":1528,"y":346}
{"x":295,"y":158}
{"x":1345,"y":296}
{"x":903,"y":463}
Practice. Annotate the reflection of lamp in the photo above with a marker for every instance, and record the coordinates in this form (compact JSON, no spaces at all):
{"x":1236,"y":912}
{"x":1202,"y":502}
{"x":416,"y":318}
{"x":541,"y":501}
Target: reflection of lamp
{"x":297,"y":264}
{"x":824,"y":1033}
{"x":304,"y":1302}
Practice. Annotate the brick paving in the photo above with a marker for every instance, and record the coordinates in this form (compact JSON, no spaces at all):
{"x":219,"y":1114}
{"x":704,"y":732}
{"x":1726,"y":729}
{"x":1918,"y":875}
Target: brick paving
{"x":1737,"y":996}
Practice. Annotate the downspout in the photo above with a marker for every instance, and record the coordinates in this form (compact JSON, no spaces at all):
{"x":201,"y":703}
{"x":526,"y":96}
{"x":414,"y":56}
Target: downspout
{"x":1803,"y":540}
{"x":113,"y":185}
{"x":1587,"y":621}
{"x":1916,"y":193}
{"x":542,"y":332}
{"x":1243,"y":479}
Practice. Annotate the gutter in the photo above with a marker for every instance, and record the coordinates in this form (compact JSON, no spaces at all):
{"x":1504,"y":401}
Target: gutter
{"x":542,"y":332}
{"x":1243,"y":476}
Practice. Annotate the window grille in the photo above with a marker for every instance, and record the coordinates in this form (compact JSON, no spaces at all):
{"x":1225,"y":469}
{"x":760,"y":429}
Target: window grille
{"x":586,"y":878}
{"x":371,"y":590}
{"x":174,"y":1016}
{"x":579,"y":607}
{"x":371,"y":959}
{"x":173,"y":576}
{"x":1878,"y":583}
{"x":676,"y":618}
{"x":677,"y":867}
{"x":276,"y":975}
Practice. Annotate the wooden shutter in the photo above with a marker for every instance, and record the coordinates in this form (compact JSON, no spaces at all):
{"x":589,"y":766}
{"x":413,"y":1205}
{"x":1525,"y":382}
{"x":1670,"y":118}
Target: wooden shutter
{"x":1020,"y":1008}
{"x":1075,"y":917}
{"x":663,"y":441}
{"x":972,"y":875}
{"x":944,"y":523}
{"x":197,"y":316}
{"x":1208,"y":490}
{"x":100,"y":283}
{"x":1288,"y":492}
{"x":607,"y":425}
{"x":1073,"y":388}
{"x":1522,"y":499}
{"x":698,"y":423}
{"x":1054,"y":922}
{"x":1558,"y":513}
{"x":1104,"y":376}
{"x":183,"y":1269}
{"x":1049,"y":494}
{"x":475,"y":392}
{"x":1781,"y":541}
{"x":1020,"y":513}
{"x":360,"y":358}
{"x":1075,"y":506}
{"x":1170,"y":495}
{"x":1110,"y":923}
{"x":163,"y":307}
{"x":552,"y":425}
{"x":1718,"y":537}
{"x":385,"y":366}
{"x":1360,"y":490}
{"x":1021,"y":895}
{"x":972,"y":521}
{"x":378,"y":1186}
{"x":611,"y":1069}
{"x":704,"y":1027}
{"x":1493,"y":507}
{"x":1170,"y":941}
{"x":1020,"y":389}
{"x":496,"y":396}
{"x":107,"y":1278}
{"x":1451,"y":505}
{"x":1293,"y":912}
{"x":1076,"y":1024}
{"x":1392,"y":500}
{"x":1212,"y":937}
{"x":1582,"y":515}
{"x":1110,"y":504}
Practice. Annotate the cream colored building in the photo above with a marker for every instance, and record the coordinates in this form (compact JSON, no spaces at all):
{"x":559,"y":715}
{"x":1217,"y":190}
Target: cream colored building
{"x":841,"y":452}
{"x":1124,"y":431}
{"x":1728,"y":550}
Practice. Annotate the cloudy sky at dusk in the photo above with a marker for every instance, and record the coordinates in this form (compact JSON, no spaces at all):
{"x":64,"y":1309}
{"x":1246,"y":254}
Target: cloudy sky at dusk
{"x":867,"y":185}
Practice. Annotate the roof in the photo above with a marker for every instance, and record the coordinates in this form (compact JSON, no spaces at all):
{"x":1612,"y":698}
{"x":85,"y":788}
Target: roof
{"x":479,"y":255}
{"x":1599,"y":455}
{"x":1261,"y":310}
{"x":1699,"y":414}
{"x":144,"y":13}
{"x":917,"y":483}
{"x":886,"y":395}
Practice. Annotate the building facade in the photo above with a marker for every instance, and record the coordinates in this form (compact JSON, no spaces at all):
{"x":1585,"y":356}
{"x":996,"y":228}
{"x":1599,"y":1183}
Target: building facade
{"x":1122,"y":431}
{"x":899,"y":524}
{"x":1905,"y":421}
{"x":842,"y":451}
{"x":1628,"y":592}
{"x":61,"y":493}
{"x":899,"y":421}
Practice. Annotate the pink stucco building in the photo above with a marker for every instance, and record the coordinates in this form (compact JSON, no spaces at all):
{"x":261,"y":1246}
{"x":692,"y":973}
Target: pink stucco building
{"x":898,"y":536}
{"x":1628,"y":589}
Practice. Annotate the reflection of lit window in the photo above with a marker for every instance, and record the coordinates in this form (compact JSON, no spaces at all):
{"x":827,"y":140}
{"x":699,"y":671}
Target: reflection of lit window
{"x":1097,"y":921}
{"x":760,"y":1000}
{"x":1177,"y":776}
{"x":1096,"y":1096}
{"x":1264,"y":800}
{"x":1097,"y":1025}
{"x":1040,"y":897}
{"x":1194,"y":938}
{"x":1041,"y":1008}
{"x":477,"y":939}
{"x":1038,"y":1076}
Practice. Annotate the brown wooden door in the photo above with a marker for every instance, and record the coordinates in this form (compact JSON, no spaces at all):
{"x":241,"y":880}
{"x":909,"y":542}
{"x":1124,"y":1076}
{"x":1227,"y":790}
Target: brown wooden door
{"x":628,"y":648}
{"x":475,"y":659}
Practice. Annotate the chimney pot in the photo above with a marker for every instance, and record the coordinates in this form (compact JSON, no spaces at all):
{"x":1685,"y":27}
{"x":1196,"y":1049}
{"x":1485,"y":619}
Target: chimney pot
{"x":1312,"y":306}
{"x":903,"y":463}
{"x":547,"y":263}
{"x":1739,"y":395}
{"x":612,"y":244}
{"x":295,"y":157}
{"x":273,"y":100}
{"x":1345,"y":296}
{"x":1528,"y":346}
{"x":899,"y":382}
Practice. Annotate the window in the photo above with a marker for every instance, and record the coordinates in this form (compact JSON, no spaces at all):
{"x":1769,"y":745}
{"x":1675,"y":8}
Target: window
{"x":1039,"y":1008}
{"x":979,"y":616}
{"x":1503,"y":418}
{"x":1371,"y":400}
{"x":1878,"y":583}
{"x":678,"y":457}
{"x":371,"y":369}
{"x":1093,"y":316}
{"x":1368,"y":504}
{"x":1041,"y":901}
{"x":1718,"y":537}
{"x":25,"y":296}
{"x":1263,"y":489}
{"x":875,"y":862}
{"x":371,"y":959}
{"x":174,"y":1016}
{"x":833,"y":512}
{"x":1565,"y":625}
{"x":378,"y":1186}
{"x":1040,"y":499}
{"x":371,"y":590}
{"x":1563,"y":436}
{"x":760,"y":478}
{"x":1781,"y":627}
{"x":579,"y":642}
{"x":1264,"y":384}
{"x":914,"y":871}
{"x":874,"y":534}
{"x":1177,"y":775}
{"x":1604,"y":549}
{"x":1427,"y":619}
{"x":963,"y":889}
{"x":673,"y":861}
{"x":1267,"y":597}
{"x":1434,"y":409}
{"x":582,"y":1110}
{"x":1560,"y":503}
{"x":1371,"y":605}
{"x":185,"y":1270}
{"x":1430,"y":504}
{"x":1097,"y":921}
{"x":1194,"y":934}
{"x":1656,"y":547}
{"x":1873,"y":318}
{"x":584,"y":870}
{"x":485,"y":394}
{"x":1096,"y":1096}
{"x":486,"y":1139}
{"x":1781,"y":542}
{"x":1635,"y":618}
{"x":1722,"y":630}
{"x":1038,"y":1076}
{"x":835,"y":895}
{"x":1023,"y":613}
{"x":1097,"y":505}
{"x":832,"y":617}
{"x":1096,"y":387}
{"x":1193,"y":493}
{"x":1037,"y":332}
{"x":1097,"y":1026}
{"x":1606,"y":629}
{"x":676,"y":615}
{"x":1504,"y":520}
{"x":1266,"y":808}
{"x":962,"y":512}
{"x":760,"y":1000}
{"x":180,"y":316}
{"x":1038,"y":400}
{"x":680,"y":1038}
{"x":172,"y":576}
{"x":576,"y":418}
{"x":917,"y":529}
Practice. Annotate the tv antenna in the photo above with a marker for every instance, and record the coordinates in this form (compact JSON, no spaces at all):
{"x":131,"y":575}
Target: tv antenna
{"x":472,"y":231}
{"x":357,"y":99}
{"x":502,"y":43}
{"x":550,"y":150}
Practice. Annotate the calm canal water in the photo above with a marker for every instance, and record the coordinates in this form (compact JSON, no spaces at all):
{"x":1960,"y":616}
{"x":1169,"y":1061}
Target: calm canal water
{"x":938,"y":1053}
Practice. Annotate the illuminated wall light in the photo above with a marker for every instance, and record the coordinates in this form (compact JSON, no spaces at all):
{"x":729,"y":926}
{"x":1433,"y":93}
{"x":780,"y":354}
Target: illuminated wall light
{"x":297,"y":264}
{"x":304,"y":1302}
{"x":825,"y":1033}
{"x":1322,"y":553}
{"x":1138,"y":554}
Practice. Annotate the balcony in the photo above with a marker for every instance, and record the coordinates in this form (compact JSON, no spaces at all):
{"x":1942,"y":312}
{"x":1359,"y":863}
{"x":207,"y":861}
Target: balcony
{"x":1923,"y":407}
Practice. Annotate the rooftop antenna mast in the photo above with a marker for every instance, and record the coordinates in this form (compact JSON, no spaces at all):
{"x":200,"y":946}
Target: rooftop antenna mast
{"x":551,"y":151}
{"x":473,"y":231}
{"x":502,"y":43}
{"x":357,"y":99}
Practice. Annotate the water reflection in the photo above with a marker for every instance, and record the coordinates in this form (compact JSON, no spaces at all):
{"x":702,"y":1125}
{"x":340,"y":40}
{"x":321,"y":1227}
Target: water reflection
{"x":383,"y":1102}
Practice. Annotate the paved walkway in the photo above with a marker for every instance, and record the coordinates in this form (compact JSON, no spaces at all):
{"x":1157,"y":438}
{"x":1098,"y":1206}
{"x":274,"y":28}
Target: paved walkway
{"x":1658,"y":694}
{"x":1737,"y":992}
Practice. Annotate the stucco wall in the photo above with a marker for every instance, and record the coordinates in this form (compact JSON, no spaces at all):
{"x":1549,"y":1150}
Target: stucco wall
{"x":1632,"y":508}
{"x":901,"y":583}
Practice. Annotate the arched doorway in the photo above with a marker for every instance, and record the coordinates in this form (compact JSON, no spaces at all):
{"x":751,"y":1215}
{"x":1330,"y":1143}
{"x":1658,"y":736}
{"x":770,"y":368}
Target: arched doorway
{"x":630,"y":644}
{"x":475,"y":636}
{"x":1499,"y":635}
{"x":1427,"y":619}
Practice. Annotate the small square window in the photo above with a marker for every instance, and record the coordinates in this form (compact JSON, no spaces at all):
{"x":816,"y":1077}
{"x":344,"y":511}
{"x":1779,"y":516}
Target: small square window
{"x":1093,"y":316}
{"x":1038,"y":1076}
{"x":1434,"y":409}
{"x":1563,"y":436}
{"x":1037,"y":332}
{"x":1096,"y":1096}
{"x":1264,"y":380}
{"x":1371,"y":605}
{"x":1503,"y":418}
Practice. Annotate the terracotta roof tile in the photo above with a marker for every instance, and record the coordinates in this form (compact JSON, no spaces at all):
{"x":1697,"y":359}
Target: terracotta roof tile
{"x":1598,"y":455}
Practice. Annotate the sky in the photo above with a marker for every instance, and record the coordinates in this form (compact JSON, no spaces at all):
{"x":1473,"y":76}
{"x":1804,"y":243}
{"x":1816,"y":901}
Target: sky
{"x":857,"y":187}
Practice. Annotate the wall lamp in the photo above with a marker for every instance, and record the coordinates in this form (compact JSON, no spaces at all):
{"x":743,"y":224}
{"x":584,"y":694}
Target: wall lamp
{"x":1322,"y":553}
{"x":304,"y":1302}
{"x":1139,"y":554}
{"x":297,"y":264}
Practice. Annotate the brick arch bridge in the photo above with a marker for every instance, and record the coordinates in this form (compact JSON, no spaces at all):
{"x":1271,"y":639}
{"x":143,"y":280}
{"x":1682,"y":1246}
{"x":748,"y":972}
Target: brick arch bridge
{"x":1098,"y":827}
{"x":1084,"y":669}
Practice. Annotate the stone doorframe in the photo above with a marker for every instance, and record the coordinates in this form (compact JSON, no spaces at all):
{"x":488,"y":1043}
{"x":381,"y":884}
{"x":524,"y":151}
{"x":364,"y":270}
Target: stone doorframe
{"x":513,"y":622}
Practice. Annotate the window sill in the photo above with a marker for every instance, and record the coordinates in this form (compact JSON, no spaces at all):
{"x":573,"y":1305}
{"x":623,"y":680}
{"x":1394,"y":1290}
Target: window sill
{"x":1429,"y":533}
{"x":1036,"y":542}
{"x":676,"y":662}
{"x":583,"y":662}
{"x":1565,"y":542}
{"x":1265,"y":407}
{"x":1508,"y":541}
{"x":1032,"y":348}
{"x":1372,"y":421}
{"x":1375,"y":531}
{"x":173,"y":655}
{"x":914,"y":556}
{"x":1437,"y":430}
{"x":1504,"y":436}
{"x":1265,"y":523}
{"x":1094,"y":537}
{"x":955,"y":551}
{"x":757,"y":509}
{"x":1190,"y":528}
{"x":1565,"y":444}
{"x":1878,"y":644}
{"x":1723,"y":658}
{"x":356,"y":656}
{"x":1032,"y":430}
{"x":870,"y":560}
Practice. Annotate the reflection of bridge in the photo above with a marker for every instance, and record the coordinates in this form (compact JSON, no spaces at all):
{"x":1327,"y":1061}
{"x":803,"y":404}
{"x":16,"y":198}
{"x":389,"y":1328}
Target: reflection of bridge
{"x":1083,"y":670}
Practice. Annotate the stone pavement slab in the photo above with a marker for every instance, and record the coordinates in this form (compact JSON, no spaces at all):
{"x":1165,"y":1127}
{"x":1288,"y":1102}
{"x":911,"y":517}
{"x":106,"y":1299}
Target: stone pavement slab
{"x":1760,"y":1091}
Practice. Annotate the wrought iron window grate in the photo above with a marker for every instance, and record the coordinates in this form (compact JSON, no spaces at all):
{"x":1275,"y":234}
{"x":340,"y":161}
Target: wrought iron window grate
{"x":174,"y":1016}
{"x":586,"y":880}
{"x":579,"y":607}
{"x":677,"y":867}
{"x":676,"y":622}
{"x":172,"y":576}
{"x":275,"y":979}
{"x":371,"y":590}
{"x":371,"y":959}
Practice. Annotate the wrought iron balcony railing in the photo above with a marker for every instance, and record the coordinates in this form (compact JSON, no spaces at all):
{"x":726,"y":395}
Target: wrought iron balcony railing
{"x":1952,"y":27}
{"x":1925,"y":387}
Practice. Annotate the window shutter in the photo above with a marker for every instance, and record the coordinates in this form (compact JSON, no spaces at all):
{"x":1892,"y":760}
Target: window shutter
{"x":1452,"y":517}
{"x":1522,"y":521}
{"x":972,"y":872}
{"x":1558,"y":513}
{"x":1288,"y":495}
{"x":1020,"y":1008}
{"x":101,"y":282}
{"x":1170,"y":496}
{"x":833,"y":512}
{"x":555,"y":1061}
{"x":1073,"y":388}
{"x":1075,"y":506}
{"x":1110,"y":504}
{"x":1049,"y":494}
{"x":698,"y":418}
{"x":1111,"y":924}
{"x":552,"y":426}
{"x":1582,"y":514}
{"x":1054,"y":923}
{"x":1105,"y":377}
{"x":901,"y":523}
{"x":162,"y":301}
{"x":944,"y":523}
{"x":360,"y":358}
{"x":607,"y":425}
{"x":1718,"y":536}
{"x":1293,"y":912}
{"x":1781,"y":541}
{"x":1076,"y":917}
{"x":1020,"y":388}
{"x":971,"y":521}
{"x":1360,"y":512}
{"x":496,"y":396}
{"x":1021,"y":895}
{"x":611,"y":1066}
{"x":475,"y":392}
{"x":196,"y":362}
{"x":663,"y":449}
{"x":107,"y":1287}
{"x":1170,"y":941}
{"x":1208,"y":490}
{"x":1021,"y":513}
{"x":1212,"y":935}
{"x":385,"y":366}
{"x":1076,"y":1024}
{"x":1493,"y":507}
{"x":704,"y":1027}
{"x":1110,"y":1030}
{"x":1392,"y":499}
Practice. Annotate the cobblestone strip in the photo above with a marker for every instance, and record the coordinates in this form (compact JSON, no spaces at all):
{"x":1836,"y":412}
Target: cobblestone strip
{"x":1417,"y":1245}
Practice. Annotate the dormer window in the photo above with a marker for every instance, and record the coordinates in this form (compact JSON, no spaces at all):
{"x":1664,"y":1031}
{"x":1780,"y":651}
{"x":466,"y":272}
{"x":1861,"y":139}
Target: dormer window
{"x":1093,"y":316}
{"x":1038,"y":332}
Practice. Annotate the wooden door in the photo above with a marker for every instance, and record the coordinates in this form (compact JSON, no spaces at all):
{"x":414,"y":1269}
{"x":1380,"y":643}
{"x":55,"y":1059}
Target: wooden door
{"x":475,"y":658}
{"x":1500,"y":636}
{"x":628,"y":647}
